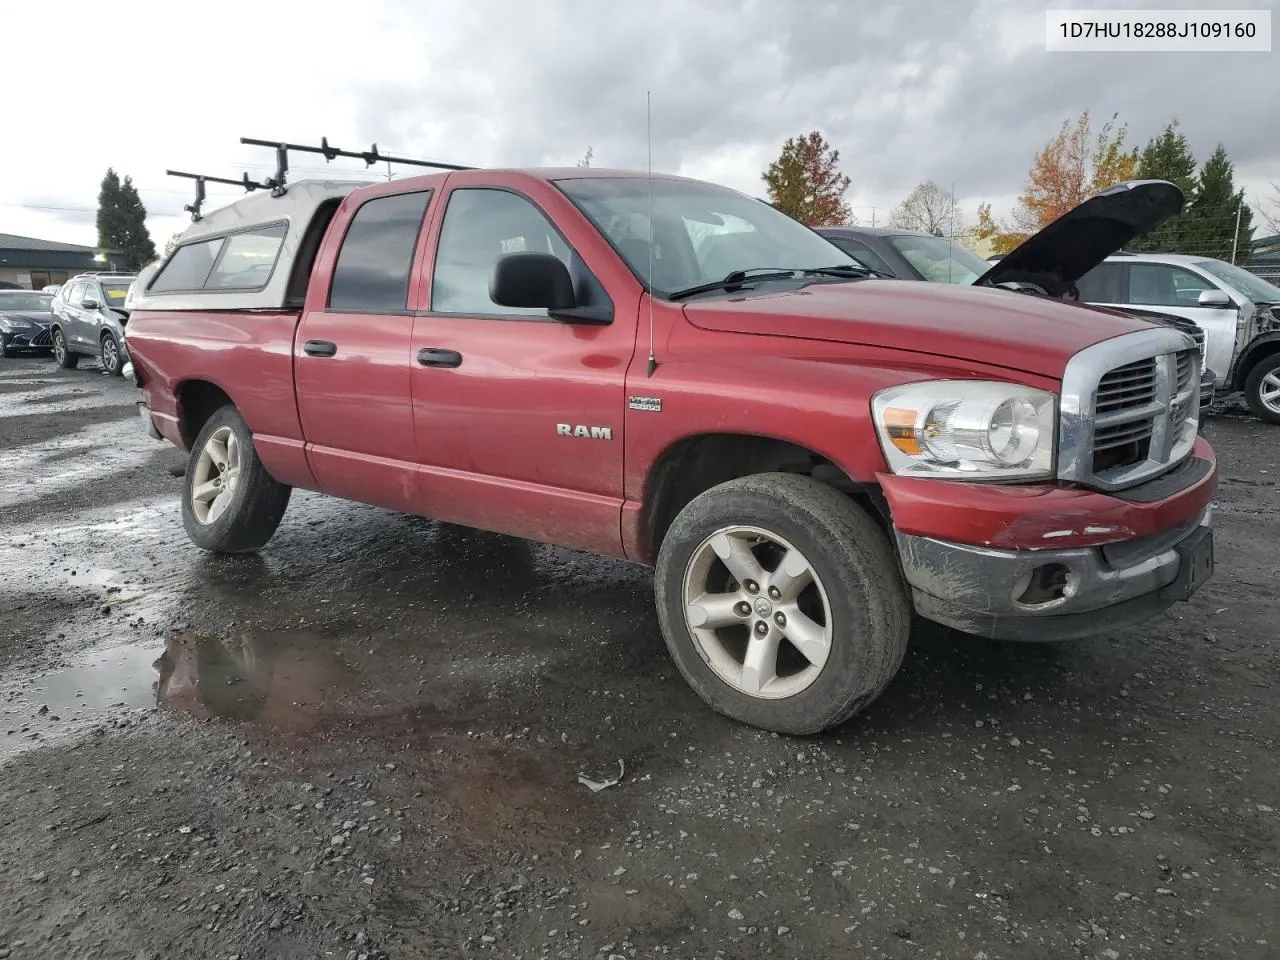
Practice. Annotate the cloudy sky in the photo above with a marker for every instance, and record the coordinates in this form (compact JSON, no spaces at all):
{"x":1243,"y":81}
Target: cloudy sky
{"x":951,"y":90}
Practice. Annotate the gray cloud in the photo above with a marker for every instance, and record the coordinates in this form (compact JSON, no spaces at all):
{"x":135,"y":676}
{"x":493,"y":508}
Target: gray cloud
{"x":920,"y":89}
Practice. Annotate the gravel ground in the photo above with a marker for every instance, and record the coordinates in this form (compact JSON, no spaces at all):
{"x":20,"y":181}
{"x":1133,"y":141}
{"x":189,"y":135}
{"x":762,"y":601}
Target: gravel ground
{"x":365,"y":743}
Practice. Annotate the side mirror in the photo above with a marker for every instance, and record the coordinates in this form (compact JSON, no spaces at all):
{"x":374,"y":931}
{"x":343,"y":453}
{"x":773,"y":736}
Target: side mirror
{"x":89,"y":304}
{"x":1214,"y":298}
{"x":531,"y":279}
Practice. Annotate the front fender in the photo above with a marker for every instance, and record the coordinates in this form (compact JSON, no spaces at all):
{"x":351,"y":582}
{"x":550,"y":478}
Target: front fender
{"x":1259,"y":347}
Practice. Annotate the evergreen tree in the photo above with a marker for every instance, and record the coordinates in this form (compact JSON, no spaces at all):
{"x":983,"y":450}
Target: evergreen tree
{"x":805,"y":182}
{"x":122,"y":221}
{"x":1211,"y":220}
{"x":1167,"y":157}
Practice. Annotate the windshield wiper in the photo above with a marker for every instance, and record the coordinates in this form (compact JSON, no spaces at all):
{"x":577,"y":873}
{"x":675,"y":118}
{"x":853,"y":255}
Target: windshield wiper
{"x":847,"y":270}
{"x":736,"y":280}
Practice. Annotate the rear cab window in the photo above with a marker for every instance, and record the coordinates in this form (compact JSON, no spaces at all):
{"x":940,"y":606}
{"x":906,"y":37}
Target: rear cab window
{"x":374,"y":264}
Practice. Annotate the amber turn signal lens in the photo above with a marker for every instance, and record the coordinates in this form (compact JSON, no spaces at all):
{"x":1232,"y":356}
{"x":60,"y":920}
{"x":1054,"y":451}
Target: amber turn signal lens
{"x":900,"y":425}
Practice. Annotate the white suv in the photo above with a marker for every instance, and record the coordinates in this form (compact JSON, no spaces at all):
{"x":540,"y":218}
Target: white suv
{"x":1238,"y":312}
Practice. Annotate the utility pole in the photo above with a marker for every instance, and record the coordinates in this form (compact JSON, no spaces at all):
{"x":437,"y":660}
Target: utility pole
{"x":1235,"y":237}
{"x":873,"y":218}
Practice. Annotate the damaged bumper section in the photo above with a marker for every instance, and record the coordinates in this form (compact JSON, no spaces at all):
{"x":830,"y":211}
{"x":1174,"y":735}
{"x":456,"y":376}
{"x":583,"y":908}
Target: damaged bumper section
{"x":1096,"y":563}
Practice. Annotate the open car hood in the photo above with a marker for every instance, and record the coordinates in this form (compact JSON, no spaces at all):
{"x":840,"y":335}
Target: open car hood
{"x":1080,"y":239}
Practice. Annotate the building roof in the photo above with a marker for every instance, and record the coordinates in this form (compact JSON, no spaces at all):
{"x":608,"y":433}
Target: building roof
{"x":10,"y":241}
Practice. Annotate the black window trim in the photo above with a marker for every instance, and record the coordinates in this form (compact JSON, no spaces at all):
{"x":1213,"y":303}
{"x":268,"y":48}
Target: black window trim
{"x":209,"y":238}
{"x":413,"y":256}
{"x":526,"y":318}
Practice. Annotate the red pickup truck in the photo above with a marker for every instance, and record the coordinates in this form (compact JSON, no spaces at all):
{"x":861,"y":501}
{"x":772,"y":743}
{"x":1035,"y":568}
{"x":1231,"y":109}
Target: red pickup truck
{"x":674,"y":373}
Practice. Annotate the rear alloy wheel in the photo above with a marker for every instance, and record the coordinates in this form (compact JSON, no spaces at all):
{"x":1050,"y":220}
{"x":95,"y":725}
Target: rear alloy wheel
{"x":781,"y":602}
{"x":110,"y":355}
{"x":1262,"y":389}
{"x":230,"y":504}
{"x":61,"y":354}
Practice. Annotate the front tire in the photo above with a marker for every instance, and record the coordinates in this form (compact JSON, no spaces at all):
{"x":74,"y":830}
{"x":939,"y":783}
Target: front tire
{"x":109,"y":355}
{"x":62,"y":353}
{"x":4,"y":349}
{"x":781,"y":602}
{"x":1262,"y":389}
{"x":230,"y":504}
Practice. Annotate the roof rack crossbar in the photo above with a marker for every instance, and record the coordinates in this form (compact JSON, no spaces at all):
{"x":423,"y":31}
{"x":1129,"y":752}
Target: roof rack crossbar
{"x":201,"y":179}
{"x":370,"y":157}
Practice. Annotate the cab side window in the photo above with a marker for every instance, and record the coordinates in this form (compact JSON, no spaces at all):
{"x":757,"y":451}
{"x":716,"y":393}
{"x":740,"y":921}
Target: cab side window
{"x":480,"y":226}
{"x":376,"y":258}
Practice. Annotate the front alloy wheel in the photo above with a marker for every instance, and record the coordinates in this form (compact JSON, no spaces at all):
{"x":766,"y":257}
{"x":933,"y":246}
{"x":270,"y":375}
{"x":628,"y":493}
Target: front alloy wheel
{"x":758,"y":612}
{"x":61,"y":354}
{"x":781,"y":602}
{"x":1262,"y":389}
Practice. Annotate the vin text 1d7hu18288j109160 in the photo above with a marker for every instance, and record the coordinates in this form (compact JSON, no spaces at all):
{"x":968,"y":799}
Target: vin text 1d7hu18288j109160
{"x":674,"y":373}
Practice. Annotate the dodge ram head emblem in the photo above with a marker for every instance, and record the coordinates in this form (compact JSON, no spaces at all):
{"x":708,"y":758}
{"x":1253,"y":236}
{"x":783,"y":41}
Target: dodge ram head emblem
{"x":578,"y":430}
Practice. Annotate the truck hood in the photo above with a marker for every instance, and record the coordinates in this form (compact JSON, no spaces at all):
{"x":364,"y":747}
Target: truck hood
{"x":1028,"y":333}
{"x":1080,"y":239}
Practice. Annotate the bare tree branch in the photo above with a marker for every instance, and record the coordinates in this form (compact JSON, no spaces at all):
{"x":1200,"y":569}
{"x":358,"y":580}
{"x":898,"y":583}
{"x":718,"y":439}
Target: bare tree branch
{"x":928,"y":208}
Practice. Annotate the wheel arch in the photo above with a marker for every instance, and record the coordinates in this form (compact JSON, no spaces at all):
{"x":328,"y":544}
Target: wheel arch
{"x":1263,"y":347}
{"x":694,"y":464}
{"x":197,"y":400}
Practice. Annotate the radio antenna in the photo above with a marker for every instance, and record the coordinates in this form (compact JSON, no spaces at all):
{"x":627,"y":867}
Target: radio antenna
{"x":648,"y":125}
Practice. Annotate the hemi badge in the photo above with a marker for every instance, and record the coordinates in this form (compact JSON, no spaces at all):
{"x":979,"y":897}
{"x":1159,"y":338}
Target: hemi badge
{"x":653,"y":404}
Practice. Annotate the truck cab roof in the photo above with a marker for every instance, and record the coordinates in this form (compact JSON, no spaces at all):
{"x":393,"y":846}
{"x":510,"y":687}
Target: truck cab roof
{"x":268,"y":267}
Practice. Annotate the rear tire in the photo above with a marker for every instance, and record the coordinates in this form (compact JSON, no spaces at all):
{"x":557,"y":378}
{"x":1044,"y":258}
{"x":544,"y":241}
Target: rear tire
{"x":62,"y":353}
{"x":1262,"y":389}
{"x":798,"y":659}
{"x":109,"y":355}
{"x":230,"y":504}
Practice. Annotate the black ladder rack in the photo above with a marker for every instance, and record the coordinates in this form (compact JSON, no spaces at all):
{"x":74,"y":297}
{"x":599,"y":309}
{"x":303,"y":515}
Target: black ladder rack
{"x":370,"y":157}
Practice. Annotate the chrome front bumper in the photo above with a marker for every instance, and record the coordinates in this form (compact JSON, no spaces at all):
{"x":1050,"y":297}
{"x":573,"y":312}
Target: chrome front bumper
{"x":1046,"y":595}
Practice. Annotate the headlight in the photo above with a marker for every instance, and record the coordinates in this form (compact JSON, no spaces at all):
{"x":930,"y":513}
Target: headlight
{"x":8,"y":323}
{"x":967,"y":429}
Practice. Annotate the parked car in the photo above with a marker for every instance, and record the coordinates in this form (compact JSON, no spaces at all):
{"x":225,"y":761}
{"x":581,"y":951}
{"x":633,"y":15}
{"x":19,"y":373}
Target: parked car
{"x":608,"y":362}
{"x":25,"y":318}
{"x":1060,"y":254}
{"x":51,"y":288}
{"x":89,"y":320}
{"x":1238,"y":311}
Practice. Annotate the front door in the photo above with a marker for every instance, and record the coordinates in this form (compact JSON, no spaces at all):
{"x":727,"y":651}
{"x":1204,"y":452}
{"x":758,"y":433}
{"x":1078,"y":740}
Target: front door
{"x":352,"y":354}
{"x":519,"y":416}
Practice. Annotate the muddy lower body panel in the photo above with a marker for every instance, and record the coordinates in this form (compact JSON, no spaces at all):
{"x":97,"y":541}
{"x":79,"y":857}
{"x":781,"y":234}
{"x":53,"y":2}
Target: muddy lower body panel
{"x":1052,"y":595}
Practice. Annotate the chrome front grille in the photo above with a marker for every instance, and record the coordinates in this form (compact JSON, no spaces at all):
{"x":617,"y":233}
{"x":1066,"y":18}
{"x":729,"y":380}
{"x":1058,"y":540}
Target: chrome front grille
{"x":1129,"y":408}
{"x":42,"y":339}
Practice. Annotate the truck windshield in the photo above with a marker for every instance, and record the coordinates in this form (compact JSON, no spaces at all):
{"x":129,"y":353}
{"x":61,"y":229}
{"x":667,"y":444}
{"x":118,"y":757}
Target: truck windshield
{"x":701,"y":232}
{"x":1251,"y":285}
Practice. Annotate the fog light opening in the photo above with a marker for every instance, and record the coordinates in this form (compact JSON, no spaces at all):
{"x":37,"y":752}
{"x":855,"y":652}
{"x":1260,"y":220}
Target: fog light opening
{"x":1046,"y":585}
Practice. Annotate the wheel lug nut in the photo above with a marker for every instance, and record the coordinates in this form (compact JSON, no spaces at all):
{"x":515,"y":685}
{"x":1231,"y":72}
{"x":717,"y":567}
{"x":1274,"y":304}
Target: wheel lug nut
{"x":752,"y":586}
{"x":775,"y":593}
{"x":780,"y":619}
{"x":742,"y":609}
{"x":761,"y":627}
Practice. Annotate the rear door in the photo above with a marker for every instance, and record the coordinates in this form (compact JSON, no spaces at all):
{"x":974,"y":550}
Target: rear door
{"x":74,"y":326}
{"x":519,"y":416}
{"x":352,"y":352}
